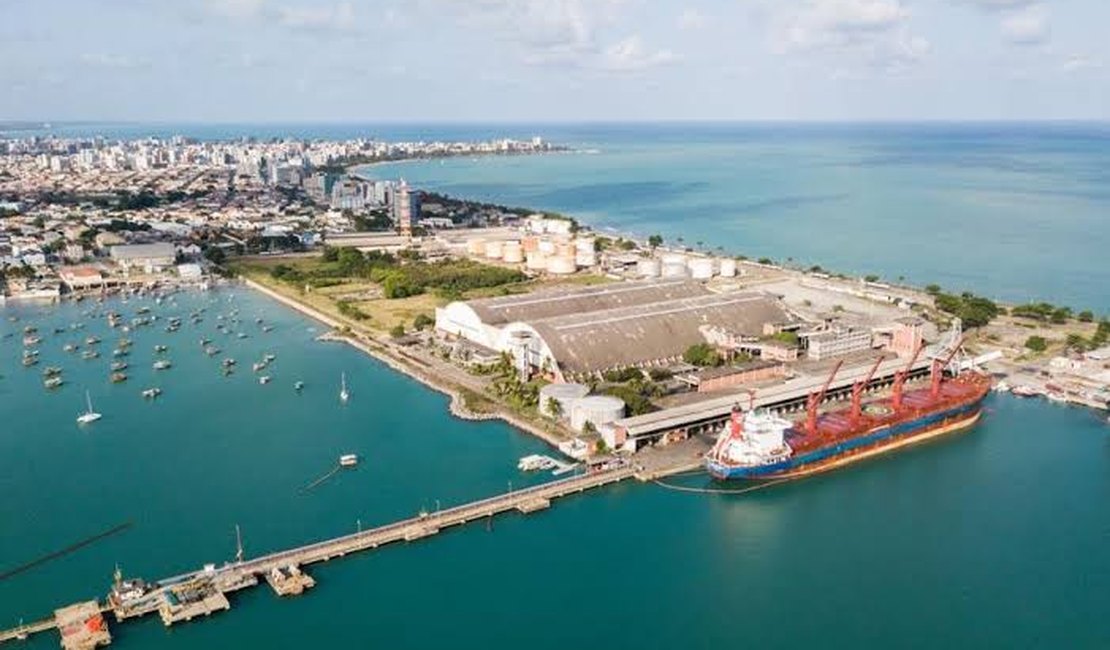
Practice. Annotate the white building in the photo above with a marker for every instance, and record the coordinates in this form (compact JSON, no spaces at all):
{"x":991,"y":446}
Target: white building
{"x":150,"y":258}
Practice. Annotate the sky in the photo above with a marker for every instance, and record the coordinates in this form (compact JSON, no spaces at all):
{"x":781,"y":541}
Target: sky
{"x":553,"y":60}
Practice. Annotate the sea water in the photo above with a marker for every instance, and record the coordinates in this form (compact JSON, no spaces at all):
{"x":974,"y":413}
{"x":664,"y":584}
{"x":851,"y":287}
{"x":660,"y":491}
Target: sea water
{"x":993,"y":537}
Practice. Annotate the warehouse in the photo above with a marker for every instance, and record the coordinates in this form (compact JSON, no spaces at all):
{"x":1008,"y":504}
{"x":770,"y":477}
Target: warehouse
{"x":587,"y":331}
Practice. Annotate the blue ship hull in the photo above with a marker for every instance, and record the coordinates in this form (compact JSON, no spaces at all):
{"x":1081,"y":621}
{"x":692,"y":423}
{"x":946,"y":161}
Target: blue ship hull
{"x":887,"y":434}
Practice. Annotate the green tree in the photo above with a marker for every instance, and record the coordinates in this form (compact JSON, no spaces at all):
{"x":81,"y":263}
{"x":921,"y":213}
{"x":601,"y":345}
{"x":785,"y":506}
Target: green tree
{"x":702,"y":354}
{"x":1036,"y":343}
{"x":331,"y":254}
{"x":397,"y":331}
{"x":554,"y":409}
{"x":1086,"y":316}
{"x":871,"y":278}
{"x":655,"y":241}
{"x":932,"y":289}
{"x":215,"y":254}
{"x":422,"y":321}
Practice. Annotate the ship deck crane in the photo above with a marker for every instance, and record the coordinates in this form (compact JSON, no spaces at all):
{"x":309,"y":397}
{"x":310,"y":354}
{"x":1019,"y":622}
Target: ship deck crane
{"x":900,"y":377}
{"x":936,"y":372}
{"x":815,"y":398}
{"x":859,"y":387}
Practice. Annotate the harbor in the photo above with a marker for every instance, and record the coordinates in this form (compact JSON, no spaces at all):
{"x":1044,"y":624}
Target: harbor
{"x":184,"y":597}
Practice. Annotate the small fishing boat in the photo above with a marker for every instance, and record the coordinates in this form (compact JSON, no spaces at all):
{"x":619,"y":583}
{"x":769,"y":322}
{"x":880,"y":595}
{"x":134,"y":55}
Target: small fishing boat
{"x":90,"y":354}
{"x":120,"y":352}
{"x":348,"y":460}
{"x":344,"y":394}
{"x":51,"y":371}
{"x":258,"y":365}
{"x":162,"y":364}
{"x":228,"y":362}
{"x":269,"y":358}
{"x":264,"y":379}
{"x":53,"y":382}
{"x":119,"y":365}
{"x":299,"y":386}
{"x":160,"y":348}
{"x":30,"y":361}
{"x":92,"y":340}
{"x":70,"y":347}
{"x":151,"y":393}
{"x":118,"y":377}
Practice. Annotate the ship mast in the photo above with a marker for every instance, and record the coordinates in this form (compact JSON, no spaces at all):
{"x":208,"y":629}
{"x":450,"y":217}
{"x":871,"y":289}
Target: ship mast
{"x":238,"y":545}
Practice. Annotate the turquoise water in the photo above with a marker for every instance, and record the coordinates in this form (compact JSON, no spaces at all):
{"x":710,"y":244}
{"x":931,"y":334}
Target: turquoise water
{"x":993,"y":538}
{"x":985,"y":208}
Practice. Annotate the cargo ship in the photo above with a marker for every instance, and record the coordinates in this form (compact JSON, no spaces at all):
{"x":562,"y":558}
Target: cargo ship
{"x":760,"y":445}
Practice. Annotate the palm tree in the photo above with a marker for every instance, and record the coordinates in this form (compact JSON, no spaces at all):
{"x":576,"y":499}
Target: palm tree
{"x":554,"y":409}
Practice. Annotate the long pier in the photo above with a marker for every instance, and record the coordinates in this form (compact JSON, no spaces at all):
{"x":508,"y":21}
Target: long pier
{"x":164,"y":596}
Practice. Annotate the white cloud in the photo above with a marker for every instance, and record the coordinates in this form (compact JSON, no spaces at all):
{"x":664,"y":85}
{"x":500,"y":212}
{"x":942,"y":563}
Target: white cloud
{"x":235,"y":8}
{"x":993,"y":5}
{"x":691,"y":19}
{"x":1080,"y":62}
{"x":874,"y":33}
{"x":1026,"y":27}
{"x":630,"y":54}
{"x":569,"y":33}
{"x":102,"y":60}
{"x":337,"y":17}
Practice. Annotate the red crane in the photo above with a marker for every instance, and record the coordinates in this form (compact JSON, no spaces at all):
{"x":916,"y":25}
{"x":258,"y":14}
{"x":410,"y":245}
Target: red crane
{"x":814,"y":400}
{"x":859,"y":387}
{"x":936,"y":373}
{"x":900,"y":377}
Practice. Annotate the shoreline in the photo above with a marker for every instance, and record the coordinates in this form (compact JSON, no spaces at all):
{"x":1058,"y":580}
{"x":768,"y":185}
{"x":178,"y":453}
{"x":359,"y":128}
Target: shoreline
{"x":457,"y":405}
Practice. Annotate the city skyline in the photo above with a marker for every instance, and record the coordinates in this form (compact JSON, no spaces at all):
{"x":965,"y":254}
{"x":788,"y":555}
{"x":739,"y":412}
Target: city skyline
{"x":554,"y":60}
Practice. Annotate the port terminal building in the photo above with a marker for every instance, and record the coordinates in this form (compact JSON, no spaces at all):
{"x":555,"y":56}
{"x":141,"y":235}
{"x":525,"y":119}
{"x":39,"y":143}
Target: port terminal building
{"x":579,"y":332}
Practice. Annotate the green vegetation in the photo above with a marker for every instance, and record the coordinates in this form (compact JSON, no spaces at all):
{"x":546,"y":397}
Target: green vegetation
{"x":554,"y":409}
{"x":787,"y":338}
{"x":702,"y":354}
{"x":655,"y":241}
{"x":973,"y":310}
{"x":933,"y":289}
{"x":636,"y":396}
{"x":1086,"y":316}
{"x":660,"y":374}
{"x":1036,"y":343}
{"x":622,"y":375}
{"x":397,"y":331}
{"x":871,"y":278}
{"x":766,"y":261}
{"x":1044,"y":312}
{"x":422,"y":322}
{"x":348,"y":309}
{"x":399,"y":278}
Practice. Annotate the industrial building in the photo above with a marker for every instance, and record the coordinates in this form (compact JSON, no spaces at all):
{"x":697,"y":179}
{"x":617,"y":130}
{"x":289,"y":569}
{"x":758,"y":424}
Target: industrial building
{"x":585,"y":331}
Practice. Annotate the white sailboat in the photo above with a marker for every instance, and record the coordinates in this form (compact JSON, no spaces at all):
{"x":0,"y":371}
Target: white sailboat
{"x":90,"y":415}
{"x":343,"y":394}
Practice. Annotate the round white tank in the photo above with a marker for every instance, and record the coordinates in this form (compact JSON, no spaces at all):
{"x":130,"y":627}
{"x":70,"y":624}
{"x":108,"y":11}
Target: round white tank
{"x":728,"y":268}
{"x":476,"y":246}
{"x":584,"y":244}
{"x":537,"y":261}
{"x":512,"y":252}
{"x":596,"y":409}
{"x":674,"y":269}
{"x":547,"y":247}
{"x":564,"y":249}
{"x":495,"y":249}
{"x":701,"y":268}
{"x":565,"y":394}
{"x":673,"y":258}
{"x":586,"y":258}
{"x":561,"y":265}
{"x":649,"y":268}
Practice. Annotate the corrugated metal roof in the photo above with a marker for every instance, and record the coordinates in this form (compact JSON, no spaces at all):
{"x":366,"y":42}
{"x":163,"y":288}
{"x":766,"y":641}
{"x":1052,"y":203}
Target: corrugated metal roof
{"x":550,"y":304}
{"x":589,"y":342}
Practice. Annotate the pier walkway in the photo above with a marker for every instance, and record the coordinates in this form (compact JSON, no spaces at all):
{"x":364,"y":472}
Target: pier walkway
{"x":237,"y":575}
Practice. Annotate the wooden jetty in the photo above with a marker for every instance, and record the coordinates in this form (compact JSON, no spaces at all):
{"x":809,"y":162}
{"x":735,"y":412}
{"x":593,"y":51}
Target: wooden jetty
{"x":200,"y":593}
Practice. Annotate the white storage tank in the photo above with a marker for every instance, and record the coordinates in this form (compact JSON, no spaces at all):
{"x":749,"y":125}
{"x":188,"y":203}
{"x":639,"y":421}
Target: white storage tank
{"x":512,"y":252}
{"x":673,"y":270}
{"x":537,"y":261}
{"x":495,"y":249}
{"x":583,"y":244}
{"x":476,"y":246}
{"x":649,"y":268}
{"x":565,"y":394}
{"x":701,"y":268}
{"x":728,"y":268}
{"x":673,"y":258}
{"x":547,"y":247}
{"x":586,"y":258}
{"x":596,"y":409}
{"x":561,"y":265}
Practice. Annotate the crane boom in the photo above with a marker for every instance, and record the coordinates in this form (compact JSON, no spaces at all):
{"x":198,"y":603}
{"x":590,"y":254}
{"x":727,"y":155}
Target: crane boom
{"x":936,"y":373}
{"x":859,"y":387}
{"x":900,"y":377}
{"x":817,"y":397}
